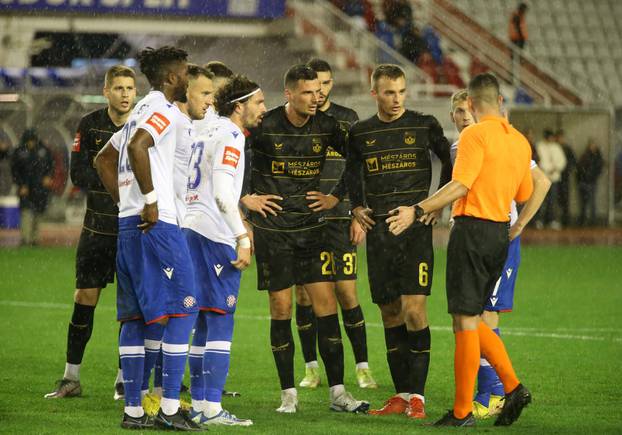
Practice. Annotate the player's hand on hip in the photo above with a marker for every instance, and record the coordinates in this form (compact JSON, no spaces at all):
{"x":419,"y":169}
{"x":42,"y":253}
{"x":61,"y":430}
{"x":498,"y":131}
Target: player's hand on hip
{"x":149,"y":216}
{"x":400,"y":219}
{"x":363,"y":217}
{"x":357,"y":233}
{"x":262,"y":204}
{"x":243,"y":259}
{"x":321,"y":201}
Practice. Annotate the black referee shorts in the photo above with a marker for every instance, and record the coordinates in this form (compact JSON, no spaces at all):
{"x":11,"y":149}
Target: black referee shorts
{"x":95,"y":260}
{"x":399,"y":265}
{"x":287,"y":258}
{"x":337,"y":242}
{"x":476,"y":253}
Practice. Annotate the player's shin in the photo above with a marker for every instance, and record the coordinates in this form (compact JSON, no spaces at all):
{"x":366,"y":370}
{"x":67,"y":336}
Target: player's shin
{"x":78,"y":335}
{"x":419,"y":359}
{"x":466,"y":363}
{"x":307,"y":332}
{"x":175,"y":352}
{"x":282,"y":343}
{"x":132,"y":351}
{"x":331,"y":348}
{"x":216,"y":360}
{"x":493,"y":349}
{"x":153,"y":341}
{"x":354,"y":324}
{"x":195,"y":362}
{"x":396,"y":340}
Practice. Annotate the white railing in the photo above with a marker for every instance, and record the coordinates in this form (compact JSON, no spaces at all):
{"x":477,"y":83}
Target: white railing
{"x":342,"y":34}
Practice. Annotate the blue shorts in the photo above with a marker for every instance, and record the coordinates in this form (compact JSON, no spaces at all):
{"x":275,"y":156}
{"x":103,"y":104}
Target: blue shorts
{"x":502,"y":297}
{"x":218,"y":282}
{"x":155,"y":276}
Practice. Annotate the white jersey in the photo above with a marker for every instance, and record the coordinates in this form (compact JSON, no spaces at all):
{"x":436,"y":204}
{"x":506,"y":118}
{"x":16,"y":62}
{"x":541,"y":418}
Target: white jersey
{"x":159,"y":118}
{"x":183,"y":149}
{"x":218,"y":150}
{"x":202,"y":125}
{"x":513,"y":211}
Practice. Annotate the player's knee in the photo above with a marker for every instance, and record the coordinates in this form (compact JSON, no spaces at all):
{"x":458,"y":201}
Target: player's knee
{"x":392,"y":314}
{"x":346,"y":295}
{"x":86,"y":296}
{"x":280,"y":307}
{"x":302,"y":297}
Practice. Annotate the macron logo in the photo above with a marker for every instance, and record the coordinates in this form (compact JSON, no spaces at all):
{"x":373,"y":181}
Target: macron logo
{"x":508,"y":272}
{"x":218,"y":268}
{"x":169,"y":272}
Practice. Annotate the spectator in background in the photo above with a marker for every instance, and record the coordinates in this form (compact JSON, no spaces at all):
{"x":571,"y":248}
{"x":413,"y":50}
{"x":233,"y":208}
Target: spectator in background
{"x":564,"y":184}
{"x":589,"y":168}
{"x":413,"y":45}
{"x":518,"y":26}
{"x":553,"y":163}
{"x":396,"y":12}
{"x":6,"y":180}
{"x":361,"y":12}
{"x":32,"y":167}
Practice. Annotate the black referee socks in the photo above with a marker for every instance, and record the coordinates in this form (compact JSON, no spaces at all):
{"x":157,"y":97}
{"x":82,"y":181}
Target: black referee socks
{"x":282,"y":343}
{"x":396,"y":339}
{"x":79,"y":332}
{"x":307,"y":331}
{"x":419,"y":358}
{"x":354,"y":323}
{"x":331,"y":348}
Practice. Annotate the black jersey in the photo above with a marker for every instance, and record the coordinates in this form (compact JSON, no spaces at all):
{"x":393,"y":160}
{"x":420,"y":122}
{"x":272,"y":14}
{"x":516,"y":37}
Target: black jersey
{"x":94,"y":131}
{"x":288,"y":161}
{"x":336,"y":163}
{"x":394,"y":159}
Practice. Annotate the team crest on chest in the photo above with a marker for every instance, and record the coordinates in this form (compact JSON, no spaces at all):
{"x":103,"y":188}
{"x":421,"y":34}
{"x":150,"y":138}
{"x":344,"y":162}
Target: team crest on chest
{"x":317,"y":144}
{"x":372,"y":164}
{"x":278,"y":167}
{"x":409,"y":138}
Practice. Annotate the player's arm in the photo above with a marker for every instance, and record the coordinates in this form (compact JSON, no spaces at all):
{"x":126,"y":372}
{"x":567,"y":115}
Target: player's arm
{"x":107,"y":166}
{"x":138,"y":153}
{"x":442,"y":148}
{"x":541,"y":185}
{"x":226,"y":166}
{"x":354,"y":182}
{"x":81,"y":169}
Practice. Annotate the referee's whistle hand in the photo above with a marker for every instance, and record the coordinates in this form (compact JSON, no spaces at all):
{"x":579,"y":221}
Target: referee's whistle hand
{"x":363,"y":216}
{"x":400,"y":219}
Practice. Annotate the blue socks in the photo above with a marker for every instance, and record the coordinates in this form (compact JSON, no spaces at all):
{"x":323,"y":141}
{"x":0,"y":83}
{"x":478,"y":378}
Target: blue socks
{"x":217,"y":354}
{"x":195,"y":358}
{"x":153,"y":340}
{"x":132,"y":352}
{"x":487,"y":381}
{"x":175,"y":350}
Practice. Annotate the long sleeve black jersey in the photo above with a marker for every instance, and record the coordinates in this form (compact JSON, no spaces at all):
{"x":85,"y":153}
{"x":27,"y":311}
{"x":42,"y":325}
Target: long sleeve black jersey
{"x":94,"y":130}
{"x":394,"y":160}
{"x":336,"y":163}
{"x":288,"y":161}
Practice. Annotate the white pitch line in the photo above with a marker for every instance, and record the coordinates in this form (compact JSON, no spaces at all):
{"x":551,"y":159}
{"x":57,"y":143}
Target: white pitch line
{"x":519,"y":332}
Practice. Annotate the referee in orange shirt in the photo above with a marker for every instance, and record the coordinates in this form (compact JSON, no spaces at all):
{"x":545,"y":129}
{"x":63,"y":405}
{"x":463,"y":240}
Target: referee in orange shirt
{"x":492,"y":168}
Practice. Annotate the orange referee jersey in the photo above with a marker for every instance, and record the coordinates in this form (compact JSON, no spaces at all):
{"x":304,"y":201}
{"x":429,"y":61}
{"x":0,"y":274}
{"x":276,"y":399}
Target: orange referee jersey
{"x":493,"y":162}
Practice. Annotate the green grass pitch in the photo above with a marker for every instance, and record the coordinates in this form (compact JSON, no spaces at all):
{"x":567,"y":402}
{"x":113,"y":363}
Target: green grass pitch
{"x":564,"y":337}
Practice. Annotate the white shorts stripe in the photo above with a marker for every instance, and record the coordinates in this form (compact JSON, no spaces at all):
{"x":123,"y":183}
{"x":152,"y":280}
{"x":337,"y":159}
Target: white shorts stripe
{"x":174,"y":348}
{"x":196,"y":351}
{"x":217,"y":345}
{"x":152,"y":345}
{"x":131,"y":350}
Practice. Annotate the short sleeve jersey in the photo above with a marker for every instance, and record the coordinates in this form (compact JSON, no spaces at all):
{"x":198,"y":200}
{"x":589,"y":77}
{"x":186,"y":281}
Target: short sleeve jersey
{"x":395,"y":158}
{"x":220,"y":148}
{"x":493,"y":162}
{"x":288,"y":161}
{"x":336,"y":163}
{"x":159,"y":118}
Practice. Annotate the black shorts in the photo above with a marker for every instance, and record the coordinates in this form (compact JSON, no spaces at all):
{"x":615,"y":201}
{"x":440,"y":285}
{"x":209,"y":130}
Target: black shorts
{"x":399,"y":265}
{"x":337,"y":241}
{"x":476,"y":253}
{"x":95,"y":260}
{"x":287,"y":258}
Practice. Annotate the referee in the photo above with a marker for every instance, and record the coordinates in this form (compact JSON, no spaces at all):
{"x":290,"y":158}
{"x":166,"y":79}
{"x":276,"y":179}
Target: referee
{"x":492,"y":168}
{"x":95,"y":256}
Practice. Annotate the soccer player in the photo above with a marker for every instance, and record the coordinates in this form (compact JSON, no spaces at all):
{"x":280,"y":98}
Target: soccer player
{"x":218,"y":239}
{"x":199,"y":97}
{"x":489,"y":398}
{"x":220,"y":74}
{"x":97,"y":247}
{"x":392,"y":152}
{"x":156,"y":281}
{"x":338,"y":240}
{"x":288,"y":152}
{"x":492,"y":168}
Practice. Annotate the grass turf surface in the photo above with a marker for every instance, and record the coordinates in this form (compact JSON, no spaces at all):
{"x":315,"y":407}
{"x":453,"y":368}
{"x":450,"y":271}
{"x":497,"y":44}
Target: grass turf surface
{"x":564,"y":338}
